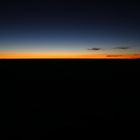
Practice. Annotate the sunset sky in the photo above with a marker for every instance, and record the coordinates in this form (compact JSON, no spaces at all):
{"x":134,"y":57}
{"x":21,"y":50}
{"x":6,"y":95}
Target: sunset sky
{"x":69,"y":29}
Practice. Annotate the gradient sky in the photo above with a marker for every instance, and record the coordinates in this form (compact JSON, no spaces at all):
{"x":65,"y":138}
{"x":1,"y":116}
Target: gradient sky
{"x":69,"y":29}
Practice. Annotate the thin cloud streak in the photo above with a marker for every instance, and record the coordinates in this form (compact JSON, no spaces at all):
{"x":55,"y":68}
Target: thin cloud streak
{"x":94,"y":49}
{"x":122,"y":48}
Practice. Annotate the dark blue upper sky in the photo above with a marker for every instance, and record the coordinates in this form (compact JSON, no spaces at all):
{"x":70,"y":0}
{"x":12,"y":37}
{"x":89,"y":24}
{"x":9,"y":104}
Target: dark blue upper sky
{"x":61,"y":24}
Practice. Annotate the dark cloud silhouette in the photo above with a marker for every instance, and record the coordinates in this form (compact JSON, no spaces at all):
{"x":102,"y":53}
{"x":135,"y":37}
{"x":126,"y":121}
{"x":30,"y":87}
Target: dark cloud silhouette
{"x":117,"y":55}
{"x":94,"y":49}
{"x":127,"y":56}
{"x":122,"y":48}
{"x":136,"y":54}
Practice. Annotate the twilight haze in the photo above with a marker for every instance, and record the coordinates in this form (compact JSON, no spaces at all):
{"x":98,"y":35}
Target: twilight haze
{"x":69,"y":29}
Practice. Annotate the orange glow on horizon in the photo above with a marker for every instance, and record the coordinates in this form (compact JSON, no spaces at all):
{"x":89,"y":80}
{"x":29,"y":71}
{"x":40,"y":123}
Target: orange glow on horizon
{"x":12,"y":55}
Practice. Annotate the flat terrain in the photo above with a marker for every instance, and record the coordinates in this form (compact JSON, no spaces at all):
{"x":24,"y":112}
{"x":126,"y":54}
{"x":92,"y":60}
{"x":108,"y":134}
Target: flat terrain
{"x":55,"y":94}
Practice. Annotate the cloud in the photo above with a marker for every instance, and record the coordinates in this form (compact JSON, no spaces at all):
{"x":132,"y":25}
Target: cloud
{"x":123,"y":56}
{"x":122,"y":48}
{"x":136,"y":54}
{"x":94,"y":49}
{"x":117,"y":55}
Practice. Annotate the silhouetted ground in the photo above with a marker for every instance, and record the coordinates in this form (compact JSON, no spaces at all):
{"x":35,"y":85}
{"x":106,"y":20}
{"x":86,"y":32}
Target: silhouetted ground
{"x":49,"y":95}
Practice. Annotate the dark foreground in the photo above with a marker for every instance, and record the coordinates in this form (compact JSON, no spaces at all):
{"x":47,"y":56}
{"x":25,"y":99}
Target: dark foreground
{"x":49,"y":95}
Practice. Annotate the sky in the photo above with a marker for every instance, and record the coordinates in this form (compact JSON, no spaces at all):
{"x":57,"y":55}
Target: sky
{"x":69,"y":29}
